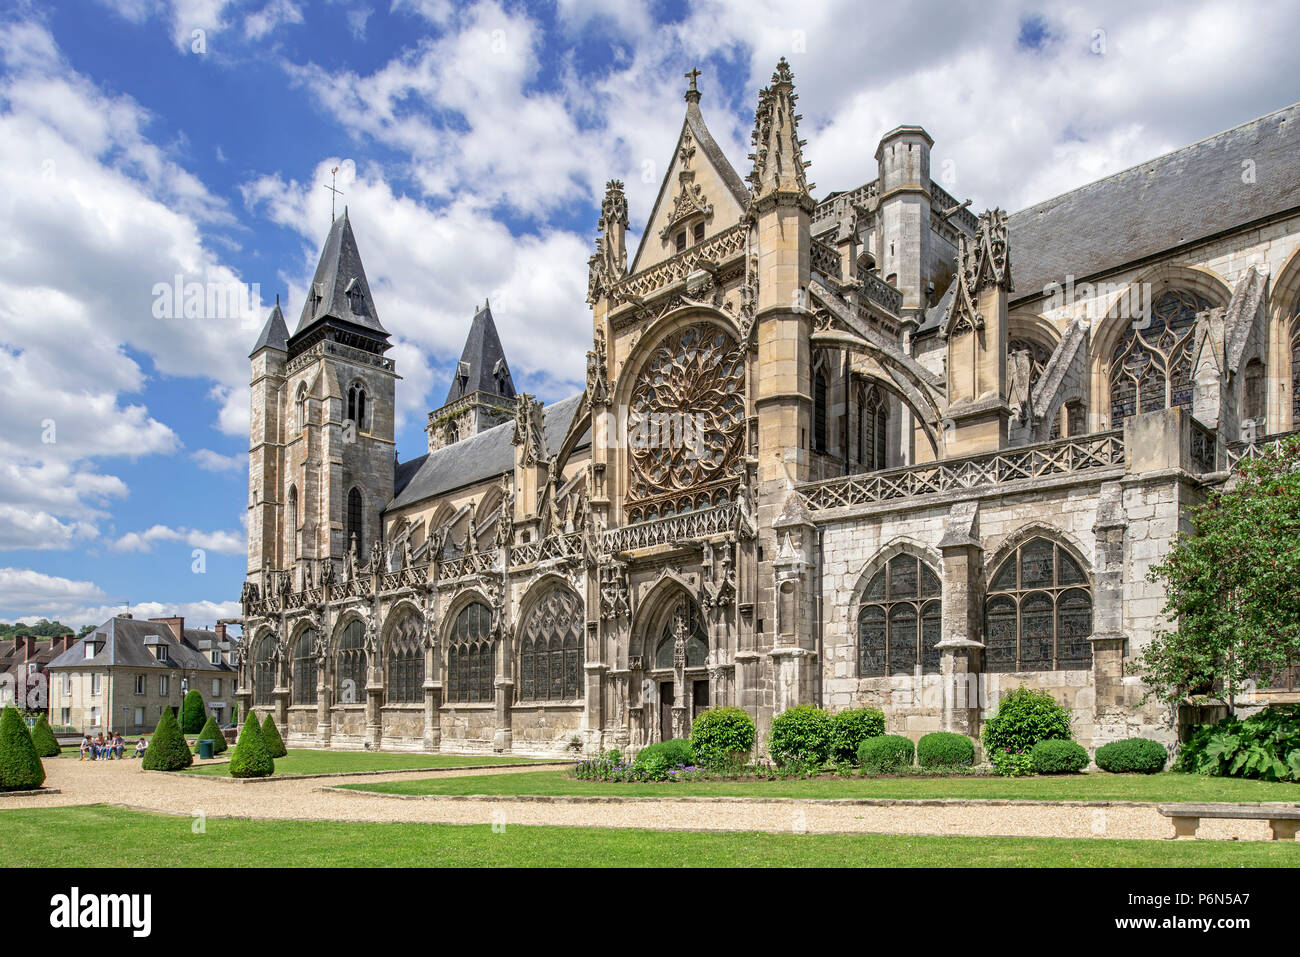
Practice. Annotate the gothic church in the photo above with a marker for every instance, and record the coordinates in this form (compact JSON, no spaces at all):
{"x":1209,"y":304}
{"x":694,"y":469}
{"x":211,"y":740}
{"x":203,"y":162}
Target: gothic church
{"x":903,"y":456}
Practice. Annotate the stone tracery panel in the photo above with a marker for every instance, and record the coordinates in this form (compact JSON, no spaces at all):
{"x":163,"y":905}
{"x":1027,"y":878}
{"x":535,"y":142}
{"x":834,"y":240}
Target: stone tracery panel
{"x":686,"y":423}
{"x":1151,"y":367}
{"x":550,"y":648}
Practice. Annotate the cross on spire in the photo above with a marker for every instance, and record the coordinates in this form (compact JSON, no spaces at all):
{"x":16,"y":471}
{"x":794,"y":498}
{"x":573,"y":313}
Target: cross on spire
{"x":692,"y":94}
{"x":335,"y":193}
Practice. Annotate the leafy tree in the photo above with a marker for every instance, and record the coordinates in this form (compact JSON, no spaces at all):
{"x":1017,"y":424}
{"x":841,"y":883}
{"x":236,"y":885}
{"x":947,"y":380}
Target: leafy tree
{"x":250,"y":758}
{"x":271,"y":738}
{"x":47,"y":746}
{"x":213,"y":734}
{"x":1232,"y":586}
{"x":20,"y":766}
{"x":85,"y":630}
{"x":167,"y":748}
{"x":192,"y":712}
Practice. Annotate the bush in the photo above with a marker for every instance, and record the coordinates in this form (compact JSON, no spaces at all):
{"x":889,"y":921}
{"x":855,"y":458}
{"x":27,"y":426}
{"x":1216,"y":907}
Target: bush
{"x":945,"y":749}
{"x":1132,"y":756}
{"x":1266,"y":746}
{"x":1012,"y":764}
{"x":850,"y":728}
{"x":800,"y":736}
{"x":271,"y":738}
{"x":20,"y":765}
{"x":722,"y":737}
{"x":886,"y":753}
{"x":1055,"y":756}
{"x":192,"y":712}
{"x":674,"y":751}
{"x":1024,"y":718}
{"x":250,"y":758}
{"x":213,"y":733}
{"x":167,"y":748}
{"x":47,"y":746}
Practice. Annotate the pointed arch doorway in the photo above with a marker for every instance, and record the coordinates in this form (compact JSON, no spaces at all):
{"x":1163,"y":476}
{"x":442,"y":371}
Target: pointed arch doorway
{"x":680,"y":658}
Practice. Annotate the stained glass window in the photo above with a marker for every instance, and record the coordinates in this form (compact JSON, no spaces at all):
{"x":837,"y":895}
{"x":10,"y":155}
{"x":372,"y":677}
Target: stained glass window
{"x":901,"y":620}
{"x":1038,"y":614}
{"x":550,"y":650}
{"x":1151,"y":368}
{"x":472,"y":656}
{"x":305,"y":668}
{"x":697,"y":640}
{"x":405,"y":665}
{"x":350,"y":664}
{"x":264,"y":671}
{"x":819,"y":412}
{"x":872,"y":412}
{"x":355,"y":526}
{"x":1295,"y":368}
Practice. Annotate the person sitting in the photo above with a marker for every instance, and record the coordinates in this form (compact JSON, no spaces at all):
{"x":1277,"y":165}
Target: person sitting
{"x":101,"y":747}
{"x":140,"y":747}
{"x":87,"y":748}
{"x":118,"y":745}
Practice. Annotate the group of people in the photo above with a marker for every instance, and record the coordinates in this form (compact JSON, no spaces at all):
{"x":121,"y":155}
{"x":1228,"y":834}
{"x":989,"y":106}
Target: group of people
{"x":106,"y":747}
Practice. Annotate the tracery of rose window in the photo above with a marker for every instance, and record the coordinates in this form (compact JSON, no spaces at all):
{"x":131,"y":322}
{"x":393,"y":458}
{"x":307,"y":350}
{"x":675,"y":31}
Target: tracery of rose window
{"x":686,"y":423}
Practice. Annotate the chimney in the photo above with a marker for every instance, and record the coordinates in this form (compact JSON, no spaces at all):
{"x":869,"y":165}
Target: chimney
{"x":221,"y":631}
{"x":25,"y":647}
{"x":177,"y":625}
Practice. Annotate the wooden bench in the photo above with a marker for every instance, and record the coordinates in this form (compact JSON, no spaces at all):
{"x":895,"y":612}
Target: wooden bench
{"x":1282,"y":819}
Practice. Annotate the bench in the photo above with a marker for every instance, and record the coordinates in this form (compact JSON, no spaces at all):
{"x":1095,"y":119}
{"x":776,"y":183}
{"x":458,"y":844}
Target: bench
{"x":1284,"y":820}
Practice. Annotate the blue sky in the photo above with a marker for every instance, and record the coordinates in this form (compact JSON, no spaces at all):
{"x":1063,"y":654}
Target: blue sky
{"x":144,"y":139}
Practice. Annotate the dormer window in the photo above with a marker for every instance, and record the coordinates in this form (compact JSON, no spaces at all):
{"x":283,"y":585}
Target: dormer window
{"x":356,"y":297}
{"x":162,"y":652}
{"x":681,"y":240}
{"x":462,"y":376}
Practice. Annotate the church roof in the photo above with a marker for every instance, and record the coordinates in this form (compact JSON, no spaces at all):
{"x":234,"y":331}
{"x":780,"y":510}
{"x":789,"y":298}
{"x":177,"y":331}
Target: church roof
{"x":339,"y":289}
{"x":1195,"y":192}
{"x":482,"y":362}
{"x":483,"y":456}
{"x":275,"y":334}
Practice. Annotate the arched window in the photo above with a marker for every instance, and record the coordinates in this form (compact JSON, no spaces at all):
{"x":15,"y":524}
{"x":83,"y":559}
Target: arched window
{"x":1252,"y":399}
{"x":1295,"y":368}
{"x":901,"y":620}
{"x":264,"y":672}
{"x":471,"y":656}
{"x":1038,"y":614}
{"x":293,"y":524}
{"x":405,"y":664}
{"x":819,"y":411}
{"x":357,"y":406}
{"x":872,"y":414}
{"x":1151,"y":367}
{"x":300,"y":407}
{"x":350,"y":664}
{"x":355,"y":527}
{"x":305,"y":668}
{"x":550,"y":648}
{"x":697,"y":638}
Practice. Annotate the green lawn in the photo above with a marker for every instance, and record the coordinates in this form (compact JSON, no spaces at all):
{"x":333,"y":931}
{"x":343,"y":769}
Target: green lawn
{"x":335,"y":762}
{"x":99,"y":836}
{"x":1096,"y":786}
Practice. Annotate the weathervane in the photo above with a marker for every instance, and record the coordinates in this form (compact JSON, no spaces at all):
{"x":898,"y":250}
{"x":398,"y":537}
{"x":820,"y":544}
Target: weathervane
{"x":334,"y":193}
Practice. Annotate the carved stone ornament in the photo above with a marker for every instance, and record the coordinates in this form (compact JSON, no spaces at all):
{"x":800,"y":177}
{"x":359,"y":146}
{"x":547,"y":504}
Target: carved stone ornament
{"x":528,"y":429}
{"x":614,"y":593}
{"x":598,"y":385}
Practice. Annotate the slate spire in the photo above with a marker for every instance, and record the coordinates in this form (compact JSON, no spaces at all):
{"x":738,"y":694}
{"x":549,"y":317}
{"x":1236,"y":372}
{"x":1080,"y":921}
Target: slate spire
{"x":339,"y":292}
{"x":482,"y":366}
{"x":275,"y":334}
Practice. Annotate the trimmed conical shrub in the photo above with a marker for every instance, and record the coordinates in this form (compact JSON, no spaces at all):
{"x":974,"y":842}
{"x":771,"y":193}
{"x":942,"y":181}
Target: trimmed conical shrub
{"x":212,"y":732}
{"x":250,"y":758}
{"x":271,"y":738}
{"x":43,"y":739}
{"x":192,"y":712}
{"x":167,"y":748}
{"x":20,"y":766}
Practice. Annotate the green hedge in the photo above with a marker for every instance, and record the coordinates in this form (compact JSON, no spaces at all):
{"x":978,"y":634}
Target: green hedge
{"x":213,"y":733}
{"x":20,"y":765}
{"x":722,"y":737}
{"x":1025,"y":717}
{"x":1132,"y":756}
{"x":850,"y":728}
{"x":250,"y":758}
{"x":1055,"y":756}
{"x":800,"y":736}
{"x":192,"y":712}
{"x":43,"y":739}
{"x":167,"y":748}
{"x":945,"y":749}
{"x":271,"y":738}
{"x":886,"y":753}
{"x":674,"y":751}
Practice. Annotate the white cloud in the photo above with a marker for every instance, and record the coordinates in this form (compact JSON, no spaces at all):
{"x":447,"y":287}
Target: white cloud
{"x":216,"y":462}
{"x":21,"y":587}
{"x":222,"y":542}
{"x":274,"y":14}
{"x":22,"y":528}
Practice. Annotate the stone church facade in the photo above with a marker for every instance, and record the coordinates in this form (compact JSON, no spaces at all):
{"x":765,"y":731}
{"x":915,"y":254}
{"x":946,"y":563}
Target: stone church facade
{"x":871,"y":449}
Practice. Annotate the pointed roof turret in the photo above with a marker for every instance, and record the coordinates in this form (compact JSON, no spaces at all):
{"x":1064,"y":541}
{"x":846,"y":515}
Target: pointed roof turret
{"x":778,"y":152}
{"x":482,"y":366}
{"x":275,"y":334}
{"x":339,"y":292}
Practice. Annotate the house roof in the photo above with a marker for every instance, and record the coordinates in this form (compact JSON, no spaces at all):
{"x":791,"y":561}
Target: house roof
{"x":482,"y":366}
{"x":488,"y":454}
{"x":1221,"y":183}
{"x":125,"y":644}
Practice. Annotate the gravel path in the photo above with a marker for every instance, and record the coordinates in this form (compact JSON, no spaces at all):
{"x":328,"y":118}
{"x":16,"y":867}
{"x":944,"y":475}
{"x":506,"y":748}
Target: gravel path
{"x":124,"y":783}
